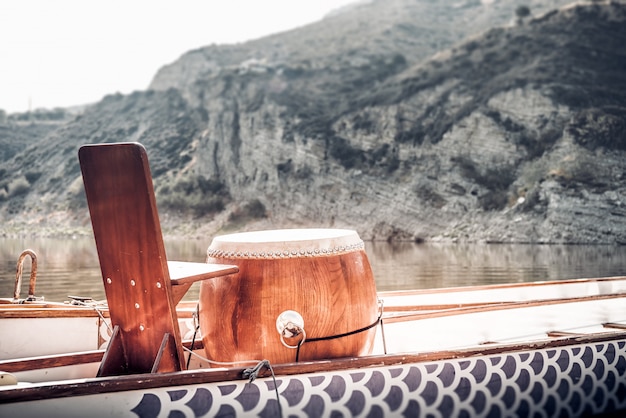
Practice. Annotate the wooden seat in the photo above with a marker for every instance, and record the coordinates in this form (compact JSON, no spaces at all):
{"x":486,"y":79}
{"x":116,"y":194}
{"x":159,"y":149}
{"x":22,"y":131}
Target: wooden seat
{"x":142,"y":288}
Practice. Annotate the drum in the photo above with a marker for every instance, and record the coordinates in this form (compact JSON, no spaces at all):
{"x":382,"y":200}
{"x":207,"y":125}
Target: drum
{"x":321,"y":274}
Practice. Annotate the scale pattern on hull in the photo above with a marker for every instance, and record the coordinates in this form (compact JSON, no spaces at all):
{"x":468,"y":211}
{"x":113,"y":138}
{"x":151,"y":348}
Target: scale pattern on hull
{"x":564,"y":381}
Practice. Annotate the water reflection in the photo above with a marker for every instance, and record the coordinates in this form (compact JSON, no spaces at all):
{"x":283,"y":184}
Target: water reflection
{"x":410,"y":266}
{"x":70,"y":266}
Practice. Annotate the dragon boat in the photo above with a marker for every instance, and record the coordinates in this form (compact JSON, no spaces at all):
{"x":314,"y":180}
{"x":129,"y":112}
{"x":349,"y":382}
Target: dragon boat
{"x":289,"y":323}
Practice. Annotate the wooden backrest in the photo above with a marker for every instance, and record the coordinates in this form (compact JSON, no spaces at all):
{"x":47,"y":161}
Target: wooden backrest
{"x":127,"y":231}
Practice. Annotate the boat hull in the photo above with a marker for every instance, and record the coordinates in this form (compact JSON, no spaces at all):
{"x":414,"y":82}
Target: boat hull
{"x":565,"y":377}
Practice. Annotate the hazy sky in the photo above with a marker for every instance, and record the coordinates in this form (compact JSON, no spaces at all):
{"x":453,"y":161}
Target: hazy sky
{"x":59,"y":53}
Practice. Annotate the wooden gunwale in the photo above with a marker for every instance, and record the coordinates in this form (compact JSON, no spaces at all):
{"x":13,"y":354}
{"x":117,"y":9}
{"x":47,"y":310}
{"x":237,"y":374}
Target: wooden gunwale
{"x":66,"y":359}
{"x":390,"y":293}
{"x":73,"y":312}
{"x":50,"y":361}
{"x":183,"y":310}
{"x":404,"y":316}
{"x":441,"y":306}
{"x":82,"y":387}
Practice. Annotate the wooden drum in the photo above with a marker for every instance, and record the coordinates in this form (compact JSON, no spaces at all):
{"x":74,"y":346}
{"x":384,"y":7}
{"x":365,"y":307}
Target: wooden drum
{"x":323,"y":274}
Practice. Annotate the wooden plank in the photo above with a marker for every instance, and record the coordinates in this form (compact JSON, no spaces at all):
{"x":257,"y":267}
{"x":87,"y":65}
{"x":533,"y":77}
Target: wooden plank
{"x":559,"y":334}
{"x":614,"y":325}
{"x":51,"y":361}
{"x":127,"y":231}
{"x":439,"y":306}
{"x":67,"y":359}
{"x":410,"y":316}
{"x":464,"y":289}
{"x":184,"y":274}
{"x":114,"y":361}
{"x":166,"y":356}
{"x":69,"y":312}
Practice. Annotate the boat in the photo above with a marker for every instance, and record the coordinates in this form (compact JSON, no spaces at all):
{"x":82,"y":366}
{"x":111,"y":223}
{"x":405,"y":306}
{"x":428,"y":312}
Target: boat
{"x":85,"y":323}
{"x":291,"y":324}
{"x":30,"y":326}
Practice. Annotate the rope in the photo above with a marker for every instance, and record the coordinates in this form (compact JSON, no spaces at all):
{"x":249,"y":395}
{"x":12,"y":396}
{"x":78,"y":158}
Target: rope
{"x":250,"y":373}
{"x":219,"y":363}
{"x":193,"y":341}
{"x":196,"y":315}
{"x":345,"y":334}
{"x":95,"y":305}
{"x":253,"y":372}
{"x":103,"y":320}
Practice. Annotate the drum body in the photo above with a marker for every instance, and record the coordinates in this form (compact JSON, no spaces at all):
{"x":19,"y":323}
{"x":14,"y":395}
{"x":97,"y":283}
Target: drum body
{"x":323,"y":274}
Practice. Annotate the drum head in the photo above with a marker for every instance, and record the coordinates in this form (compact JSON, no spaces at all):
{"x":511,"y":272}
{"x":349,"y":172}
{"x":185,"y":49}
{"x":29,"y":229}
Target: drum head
{"x":283,"y":243}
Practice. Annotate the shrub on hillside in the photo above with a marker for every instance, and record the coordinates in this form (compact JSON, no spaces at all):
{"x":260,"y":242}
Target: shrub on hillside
{"x":252,"y":210}
{"x":193,"y":194}
{"x":347,"y":155}
{"x":32,"y":176}
{"x":19,"y":186}
{"x":606,"y":127}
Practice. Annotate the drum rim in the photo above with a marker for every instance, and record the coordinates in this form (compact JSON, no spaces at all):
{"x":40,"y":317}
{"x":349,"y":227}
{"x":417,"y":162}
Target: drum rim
{"x":282,"y":243}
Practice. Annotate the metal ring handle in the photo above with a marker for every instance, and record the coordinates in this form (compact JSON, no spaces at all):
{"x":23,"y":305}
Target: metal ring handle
{"x":282,"y":340}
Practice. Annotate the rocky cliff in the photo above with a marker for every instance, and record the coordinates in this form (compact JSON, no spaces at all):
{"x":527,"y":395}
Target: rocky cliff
{"x":408,"y":120}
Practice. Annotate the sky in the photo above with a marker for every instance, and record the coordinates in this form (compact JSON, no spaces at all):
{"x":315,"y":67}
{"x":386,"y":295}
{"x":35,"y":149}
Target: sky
{"x":63,"y":53}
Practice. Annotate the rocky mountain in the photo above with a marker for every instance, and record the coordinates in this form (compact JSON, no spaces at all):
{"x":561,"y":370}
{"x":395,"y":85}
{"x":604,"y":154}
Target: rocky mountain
{"x":19,"y":130}
{"x":404,"y":119}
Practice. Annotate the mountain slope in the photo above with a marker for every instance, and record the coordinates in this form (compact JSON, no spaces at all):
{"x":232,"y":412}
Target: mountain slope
{"x":515,"y":134}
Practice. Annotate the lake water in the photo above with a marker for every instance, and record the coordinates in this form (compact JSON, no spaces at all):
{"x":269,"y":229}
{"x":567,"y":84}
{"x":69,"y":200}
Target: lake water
{"x":70,"y":266}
